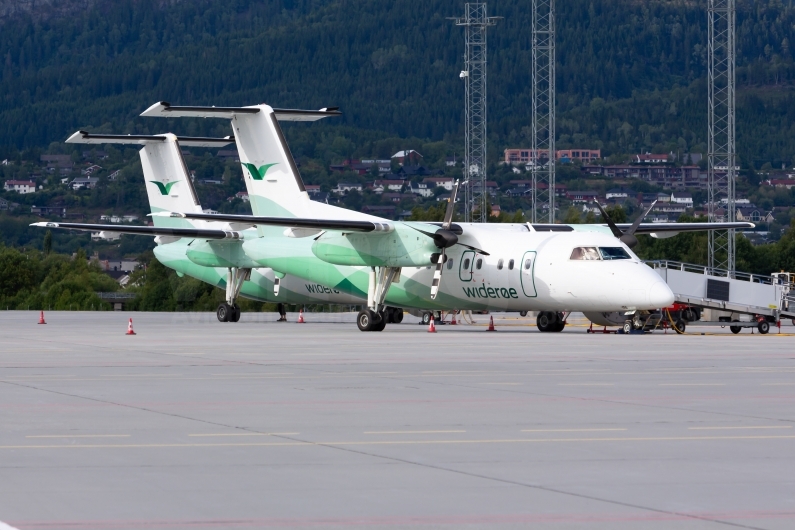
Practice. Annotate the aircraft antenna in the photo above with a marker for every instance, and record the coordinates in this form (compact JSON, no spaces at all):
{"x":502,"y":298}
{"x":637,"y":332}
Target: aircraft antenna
{"x":543,"y":110}
{"x":721,"y":153}
{"x":475,"y":21}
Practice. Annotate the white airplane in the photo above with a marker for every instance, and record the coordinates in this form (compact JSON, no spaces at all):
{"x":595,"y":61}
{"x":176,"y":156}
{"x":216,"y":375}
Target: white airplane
{"x":553,"y":269}
{"x":210,"y":252}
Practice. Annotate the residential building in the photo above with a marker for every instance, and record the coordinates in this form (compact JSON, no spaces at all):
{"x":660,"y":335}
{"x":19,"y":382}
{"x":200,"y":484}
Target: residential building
{"x":524,"y":156}
{"x":495,"y":210}
{"x":60,"y":162}
{"x":650,"y":158}
{"x":90,"y":170}
{"x":685,"y":199}
{"x":83,"y":183}
{"x":20,"y":186}
{"x":312,"y":189}
{"x":130,"y":218}
{"x":581,"y":196}
{"x":242,"y":195}
{"x":45,"y":211}
{"x":618,"y":193}
{"x":423,"y":189}
{"x":6,"y":206}
{"x":583,"y":155}
{"x":113,"y":176}
{"x":754,"y":215}
{"x":362,"y":167}
{"x":228,"y":155}
{"x":344,"y":187}
{"x":409,"y":156}
{"x":668,"y":177}
{"x":450,"y":161}
{"x":380,"y":186}
{"x":781,"y":183}
{"x":433,"y":182}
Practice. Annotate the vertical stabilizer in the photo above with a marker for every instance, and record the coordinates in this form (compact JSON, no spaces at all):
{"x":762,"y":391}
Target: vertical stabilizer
{"x":168,"y":183}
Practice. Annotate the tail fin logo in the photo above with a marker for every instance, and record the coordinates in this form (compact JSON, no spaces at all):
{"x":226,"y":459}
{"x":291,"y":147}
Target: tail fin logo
{"x":258,"y":173}
{"x":165,"y":188}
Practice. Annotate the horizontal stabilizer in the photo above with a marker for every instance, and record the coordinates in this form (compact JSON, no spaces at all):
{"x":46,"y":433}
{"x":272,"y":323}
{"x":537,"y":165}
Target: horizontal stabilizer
{"x":658,"y":228}
{"x":83,"y":137}
{"x":166,"y":110}
{"x":290,"y":222}
{"x":195,"y":233}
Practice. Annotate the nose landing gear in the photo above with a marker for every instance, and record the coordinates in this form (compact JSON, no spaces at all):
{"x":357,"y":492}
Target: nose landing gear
{"x":550,"y":321}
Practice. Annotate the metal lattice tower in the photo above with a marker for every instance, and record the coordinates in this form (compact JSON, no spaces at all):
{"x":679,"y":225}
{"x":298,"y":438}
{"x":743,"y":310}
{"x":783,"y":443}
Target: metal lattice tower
{"x":475,"y":20}
{"x":543,"y":108}
{"x":721,"y":148}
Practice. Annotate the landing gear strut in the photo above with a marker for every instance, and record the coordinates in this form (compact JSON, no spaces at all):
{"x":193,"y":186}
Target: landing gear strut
{"x":229,"y":311}
{"x":374,"y":318}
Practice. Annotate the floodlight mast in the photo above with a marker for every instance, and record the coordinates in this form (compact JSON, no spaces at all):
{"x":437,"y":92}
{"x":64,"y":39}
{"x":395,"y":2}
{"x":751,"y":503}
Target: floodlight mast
{"x":476,"y":21}
{"x":721,"y":150}
{"x":543,"y":111}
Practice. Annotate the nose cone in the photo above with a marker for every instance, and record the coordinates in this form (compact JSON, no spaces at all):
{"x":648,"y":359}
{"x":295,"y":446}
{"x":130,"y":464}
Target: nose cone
{"x":660,"y":295}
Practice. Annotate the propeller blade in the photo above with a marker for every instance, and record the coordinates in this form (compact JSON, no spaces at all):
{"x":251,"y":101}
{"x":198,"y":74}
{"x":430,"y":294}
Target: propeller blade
{"x":448,"y":214}
{"x":613,"y":228}
{"x":476,"y":249}
{"x":639,"y":220}
{"x":437,"y":275}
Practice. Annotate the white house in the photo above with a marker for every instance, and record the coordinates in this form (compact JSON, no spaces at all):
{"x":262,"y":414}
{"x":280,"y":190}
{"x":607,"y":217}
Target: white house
{"x":616,"y":193}
{"x":20,"y":186}
{"x":344,"y":187}
{"x":83,"y":182}
{"x":445,"y":182}
{"x":679,"y":197}
{"x":380,"y":186}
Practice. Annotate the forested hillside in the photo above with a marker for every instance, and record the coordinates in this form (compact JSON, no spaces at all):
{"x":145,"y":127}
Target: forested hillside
{"x":630,"y":74}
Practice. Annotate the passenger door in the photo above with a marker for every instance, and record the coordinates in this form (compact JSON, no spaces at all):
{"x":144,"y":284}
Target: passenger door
{"x":527,"y":274}
{"x":465,"y":266}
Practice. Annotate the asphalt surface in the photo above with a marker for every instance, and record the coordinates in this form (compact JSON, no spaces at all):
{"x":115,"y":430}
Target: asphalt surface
{"x":196,"y":424}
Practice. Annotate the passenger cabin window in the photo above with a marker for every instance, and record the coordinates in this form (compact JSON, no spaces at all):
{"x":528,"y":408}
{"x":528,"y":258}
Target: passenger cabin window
{"x":499,"y":264}
{"x":614,"y":253}
{"x":450,"y":264}
{"x":527,"y":263}
{"x":585,"y":253}
{"x":479,"y":263}
{"x":466,"y":263}
{"x":510,"y":265}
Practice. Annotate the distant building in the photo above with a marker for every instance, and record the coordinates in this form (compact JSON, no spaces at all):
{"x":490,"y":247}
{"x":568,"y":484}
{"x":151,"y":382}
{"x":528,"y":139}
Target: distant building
{"x":113,"y":176}
{"x":583,"y":155}
{"x":20,"y":186}
{"x":685,"y":199}
{"x":409,"y":156}
{"x":95,"y":155}
{"x":242,"y":195}
{"x":90,"y":170}
{"x":445,"y":182}
{"x":754,"y":215}
{"x":450,"y":161}
{"x":668,"y":177}
{"x":46,"y":211}
{"x":617,"y":193}
{"x":83,"y":183}
{"x":650,"y":158}
{"x":524,"y":156}
{"x":312,"y":189}
{"x":362,"y":167}
{"x":380,"y":186}
{"x":60,"y":162}
{"x":581,"y":196}
{"x":344,"y":187}
{"x":781,"y":183}
{"x":6,"y":206}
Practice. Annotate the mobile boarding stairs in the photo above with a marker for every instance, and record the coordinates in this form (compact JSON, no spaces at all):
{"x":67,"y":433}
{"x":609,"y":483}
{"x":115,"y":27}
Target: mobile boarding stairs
{"x":764,"y":298}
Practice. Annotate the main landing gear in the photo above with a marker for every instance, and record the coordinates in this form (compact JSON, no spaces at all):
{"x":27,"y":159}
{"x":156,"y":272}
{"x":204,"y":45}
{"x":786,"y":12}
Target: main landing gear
{"x":229,"y":311}
{"x":376,"y":316}
{"x":551,"y":321}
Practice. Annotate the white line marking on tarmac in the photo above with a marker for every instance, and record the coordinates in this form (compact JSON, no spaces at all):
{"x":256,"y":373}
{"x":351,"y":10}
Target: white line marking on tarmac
{"x":740,"y":427}
{"x":586,"y":384}
{"x":571,"y":430}
{"x":410,"y":432}
{"x":692,"y":384}
{"x":510,"y":384}
{"x":249,"y":434}
{"x":79,"y":436}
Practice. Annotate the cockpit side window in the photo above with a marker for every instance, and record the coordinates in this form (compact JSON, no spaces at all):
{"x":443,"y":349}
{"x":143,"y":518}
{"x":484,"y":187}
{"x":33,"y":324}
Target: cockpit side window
{"x":585,"y":254}
{"x":614,"y":253}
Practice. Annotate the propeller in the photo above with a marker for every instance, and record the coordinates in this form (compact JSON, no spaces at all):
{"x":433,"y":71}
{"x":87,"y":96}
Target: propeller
{"x":628,"y":237}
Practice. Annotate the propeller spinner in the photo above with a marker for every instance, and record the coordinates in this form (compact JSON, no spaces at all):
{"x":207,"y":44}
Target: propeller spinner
{"x":628,"y":237}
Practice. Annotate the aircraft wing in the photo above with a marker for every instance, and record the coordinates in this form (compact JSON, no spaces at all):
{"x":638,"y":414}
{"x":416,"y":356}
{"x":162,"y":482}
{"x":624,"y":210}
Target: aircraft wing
{"x":83,"y":137}
{"x":196,"y":233}
{"x":660,"y":228}
{"x":290,"y":222}
{"x":164,"y":109}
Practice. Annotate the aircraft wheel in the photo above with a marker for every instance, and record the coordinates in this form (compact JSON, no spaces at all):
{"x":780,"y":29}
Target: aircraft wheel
{"x":735,"y":329}
{"x":397,"y":315}
{"x":680,"y":326}
{"x":366,"y":320}
{"x":763,"y":327}
{"x":426,"y":318}
{"x":224,"y":312}
{"x":381,"y":324}
{"x":235,"y":316}
{"x":627,"y":327}
{"x":522,"y":313}
{"x":544,"y":321}
{"x":560,"y":323}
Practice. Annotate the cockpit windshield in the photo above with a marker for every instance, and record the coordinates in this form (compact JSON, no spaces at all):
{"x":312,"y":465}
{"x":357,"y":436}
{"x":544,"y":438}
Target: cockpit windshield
{"x":602,"y":253}
{"x":614,"y":253}
{"x":585,"y":253}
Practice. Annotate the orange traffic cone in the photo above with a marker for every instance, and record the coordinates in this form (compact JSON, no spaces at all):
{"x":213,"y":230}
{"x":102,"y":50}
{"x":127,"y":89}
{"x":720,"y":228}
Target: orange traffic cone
{"x":491,"y":324}
{"x":41,"y":318}
{"x":453,"y":322}
{"x":301,"y":316}
{"x":432,"y":326}
{"x":130,"y":329}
